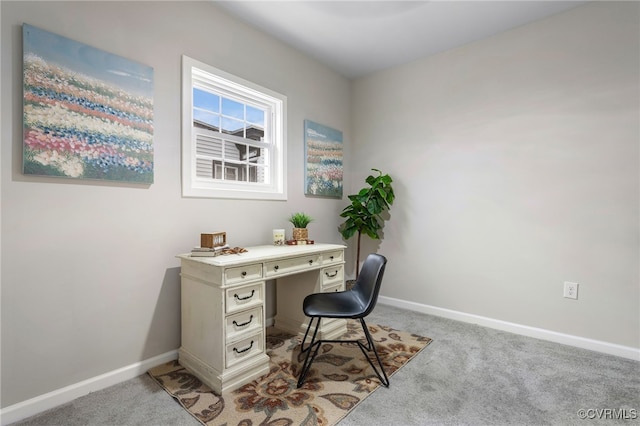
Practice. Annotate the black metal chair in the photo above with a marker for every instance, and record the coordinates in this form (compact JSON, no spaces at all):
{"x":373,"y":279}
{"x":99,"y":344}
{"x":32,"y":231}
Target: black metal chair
{"x":356,"y":303}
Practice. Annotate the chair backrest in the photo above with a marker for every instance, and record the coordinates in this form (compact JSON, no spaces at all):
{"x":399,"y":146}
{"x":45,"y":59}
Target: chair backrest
{"x":369,"y":280}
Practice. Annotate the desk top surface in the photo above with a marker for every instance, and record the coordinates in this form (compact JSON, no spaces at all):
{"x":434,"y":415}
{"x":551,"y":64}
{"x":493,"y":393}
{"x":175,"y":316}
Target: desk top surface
{"x":263,"y":253}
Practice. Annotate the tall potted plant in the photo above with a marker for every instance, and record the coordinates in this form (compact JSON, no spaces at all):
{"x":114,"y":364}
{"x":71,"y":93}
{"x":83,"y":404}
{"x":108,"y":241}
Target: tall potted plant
{"x":363,"y":214}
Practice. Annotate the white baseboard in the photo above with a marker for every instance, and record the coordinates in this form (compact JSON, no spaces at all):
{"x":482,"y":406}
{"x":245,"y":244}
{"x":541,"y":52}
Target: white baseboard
{"x":538,"y":333}
{"x":41,"y":403}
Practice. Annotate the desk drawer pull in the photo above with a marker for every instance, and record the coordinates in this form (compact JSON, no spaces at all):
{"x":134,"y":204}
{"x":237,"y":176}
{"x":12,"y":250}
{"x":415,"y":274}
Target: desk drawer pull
{"x":331,"y":257}
{"x":244,"y":298}
{"x":243,"y":350}
{"x":243,"y":273}
{"x":331,"y":275}
{"x":244,"y":323}
{"x":311,"y":262}
{"x":276,"y":267}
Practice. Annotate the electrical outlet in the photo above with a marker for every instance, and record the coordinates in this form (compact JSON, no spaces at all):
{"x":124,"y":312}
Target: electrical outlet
{"x":570,"y":290}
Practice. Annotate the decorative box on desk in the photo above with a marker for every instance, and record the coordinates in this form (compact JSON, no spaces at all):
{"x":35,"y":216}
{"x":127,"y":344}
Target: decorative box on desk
{"x":223,"y":314}
{"x":213,"y":239}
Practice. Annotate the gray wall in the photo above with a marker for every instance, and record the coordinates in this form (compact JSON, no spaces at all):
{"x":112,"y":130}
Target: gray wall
{"x":515,"y":162}
{"x":516,"y":167}
{"x":89,"y":279}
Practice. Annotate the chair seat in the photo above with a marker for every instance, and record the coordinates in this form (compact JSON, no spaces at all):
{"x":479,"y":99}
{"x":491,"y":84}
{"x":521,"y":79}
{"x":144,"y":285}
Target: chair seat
{"x":343,"y":304}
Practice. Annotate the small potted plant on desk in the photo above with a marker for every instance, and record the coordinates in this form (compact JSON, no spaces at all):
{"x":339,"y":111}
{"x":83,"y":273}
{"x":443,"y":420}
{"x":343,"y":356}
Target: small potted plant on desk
{"x":300,"y":222}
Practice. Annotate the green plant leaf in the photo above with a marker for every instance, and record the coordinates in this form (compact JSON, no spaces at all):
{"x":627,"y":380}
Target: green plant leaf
{"x":362,"y":215}
{"x":300,"y":220}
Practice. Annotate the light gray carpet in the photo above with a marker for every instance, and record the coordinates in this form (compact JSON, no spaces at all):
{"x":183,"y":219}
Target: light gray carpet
{"x":468,"y":375}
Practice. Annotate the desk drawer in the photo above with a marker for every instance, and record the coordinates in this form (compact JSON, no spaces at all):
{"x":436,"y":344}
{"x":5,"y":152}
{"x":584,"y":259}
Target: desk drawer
{"x":288,"y":266}
{"x":244,"y":349}
{"x":333,"y":257}
{"x":333,"y":289}
{"x":240,"y":298}
{"x":243,"y":274}
{"x":332,"y":275}
{"x":242,"y":323}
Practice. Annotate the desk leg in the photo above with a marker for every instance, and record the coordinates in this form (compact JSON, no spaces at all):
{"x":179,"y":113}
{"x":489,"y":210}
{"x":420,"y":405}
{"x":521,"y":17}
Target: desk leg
{"x":291,"y":291}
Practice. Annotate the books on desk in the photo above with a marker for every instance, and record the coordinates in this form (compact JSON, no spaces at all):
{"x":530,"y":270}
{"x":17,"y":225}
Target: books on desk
{"x":207,"y":251}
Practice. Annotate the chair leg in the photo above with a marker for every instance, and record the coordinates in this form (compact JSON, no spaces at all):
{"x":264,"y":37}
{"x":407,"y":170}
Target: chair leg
{"x":306,"y":366}
{"x":371,"y":347}
{"x":306,"y":333}
{"x":314,"y":346}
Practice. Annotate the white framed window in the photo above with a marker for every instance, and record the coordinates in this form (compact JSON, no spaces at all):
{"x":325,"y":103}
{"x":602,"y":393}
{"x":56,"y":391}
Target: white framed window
{"x":233,"y":136}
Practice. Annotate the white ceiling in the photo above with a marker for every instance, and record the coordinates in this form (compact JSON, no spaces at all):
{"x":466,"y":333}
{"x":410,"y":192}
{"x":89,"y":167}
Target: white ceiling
{"x":360,"y":37}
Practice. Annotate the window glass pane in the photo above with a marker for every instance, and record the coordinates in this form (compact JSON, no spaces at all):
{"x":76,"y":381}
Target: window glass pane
{"x":217,"y":167}
{"x":255,"y":154}
{"x":210,"y":147}
{"x":242,"y":151}
{"x":231,"y":173}
{"x":225,"y":171}
{"x":253,"y":173}
{"x":206,"y":120}
{"x":255,"y":116}
{"x":232,"y":108}
{"x":231,"y":151}
{"x":204,"y":168}
{"x":206,"y":100}
{"x":254,"y":133}
{"x":233,"y":127}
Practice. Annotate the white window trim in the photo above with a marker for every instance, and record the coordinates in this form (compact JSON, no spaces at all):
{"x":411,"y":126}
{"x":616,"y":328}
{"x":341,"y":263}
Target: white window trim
{"x":195,"y":187}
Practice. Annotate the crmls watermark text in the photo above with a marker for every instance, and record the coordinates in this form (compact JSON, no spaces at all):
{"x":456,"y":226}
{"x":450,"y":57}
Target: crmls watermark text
{"x":608,"y":413}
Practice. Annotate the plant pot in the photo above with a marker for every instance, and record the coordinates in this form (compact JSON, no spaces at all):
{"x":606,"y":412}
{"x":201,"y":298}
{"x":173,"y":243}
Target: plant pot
{"x":300,"y":234}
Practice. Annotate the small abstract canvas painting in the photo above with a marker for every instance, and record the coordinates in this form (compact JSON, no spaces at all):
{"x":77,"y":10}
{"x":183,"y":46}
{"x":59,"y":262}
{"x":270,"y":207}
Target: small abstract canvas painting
{"x":323,"y":168}
{"x":87,"y":114}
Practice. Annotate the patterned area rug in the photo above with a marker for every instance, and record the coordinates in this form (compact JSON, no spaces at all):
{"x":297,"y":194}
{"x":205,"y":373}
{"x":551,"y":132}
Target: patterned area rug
{"x":339,"y":379}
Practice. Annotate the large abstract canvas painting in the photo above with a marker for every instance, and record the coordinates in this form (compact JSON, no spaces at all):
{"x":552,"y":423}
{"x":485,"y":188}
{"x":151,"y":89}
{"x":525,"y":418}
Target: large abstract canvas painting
{"x":323,"y":168}
{"x":88,"y":114}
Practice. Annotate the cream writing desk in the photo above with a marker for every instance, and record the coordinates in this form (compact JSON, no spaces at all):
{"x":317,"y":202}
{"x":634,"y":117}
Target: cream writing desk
{"x":223,"y":314}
